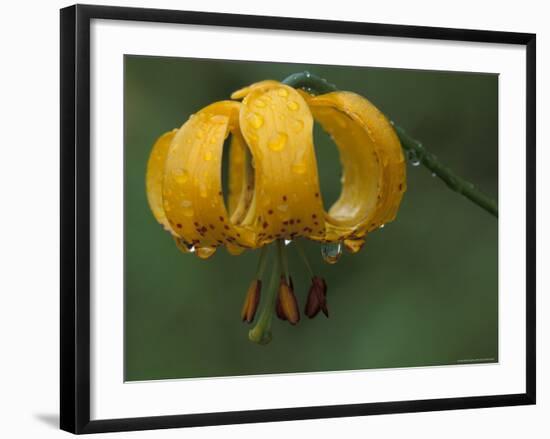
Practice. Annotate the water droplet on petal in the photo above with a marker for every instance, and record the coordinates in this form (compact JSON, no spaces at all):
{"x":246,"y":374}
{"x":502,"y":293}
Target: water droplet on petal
{"x":283,"y":92}
{"x":256,"y":120}
{"x":181,"y":176}
{"x":299,"y":168}
{"x":187,"y":208}
{"x":296,"y":125}
{"x":277,"y":142}
{"x":331,"y":252}
{"x":259,"y":103}
{"x":293,"y":106}
{"x":208,"y":156}
{"x":205,"y":252}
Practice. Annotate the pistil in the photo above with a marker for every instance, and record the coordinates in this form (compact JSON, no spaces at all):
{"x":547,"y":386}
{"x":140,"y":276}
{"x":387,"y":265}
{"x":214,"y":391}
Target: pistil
{"x":261,"y":333}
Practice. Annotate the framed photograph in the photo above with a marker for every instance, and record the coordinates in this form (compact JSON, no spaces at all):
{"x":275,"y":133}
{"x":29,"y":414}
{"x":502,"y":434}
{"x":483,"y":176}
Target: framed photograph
{"x":269,"y":219}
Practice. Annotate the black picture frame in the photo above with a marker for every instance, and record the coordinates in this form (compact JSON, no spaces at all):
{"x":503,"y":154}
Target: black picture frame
{"x":75,"y":218}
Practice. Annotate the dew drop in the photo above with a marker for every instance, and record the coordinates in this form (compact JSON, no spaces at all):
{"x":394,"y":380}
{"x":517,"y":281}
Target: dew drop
{"x":299,"y":168}
{"x":283,"y":92}
{"x":187,"y":208}
{"x":200,"y":134}
{"x":259,"y":103}
{"x":434,"y":174}
{"x":296,"y":125}
{"x":412,"y":157}
{"x":331,"y":252}
{"x":181,"y":176}
{"x":205,"y":252}
{"x":277,"y":142}
{"x":256,"y":120}
{"x":208,"y":156}
{"x":308,"y":75}
{"x":292,"y":106}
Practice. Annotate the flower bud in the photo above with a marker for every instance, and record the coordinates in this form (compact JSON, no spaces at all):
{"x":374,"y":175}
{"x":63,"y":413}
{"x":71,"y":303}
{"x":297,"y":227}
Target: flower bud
{"x":317,"y":298}
{"x":251,"y":301}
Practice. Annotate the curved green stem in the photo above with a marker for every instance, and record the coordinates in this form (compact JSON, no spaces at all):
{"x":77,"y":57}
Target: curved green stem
{"x":316,"y":85}
{"x":452,"y":180}
{"x":261,"y":333}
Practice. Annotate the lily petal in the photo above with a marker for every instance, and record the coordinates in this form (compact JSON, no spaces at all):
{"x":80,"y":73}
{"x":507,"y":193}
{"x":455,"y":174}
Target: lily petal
{"x":372,"y":160}
{"x":192,"y":188}
{"x":154,"y":179}
{"x":278,"y":127}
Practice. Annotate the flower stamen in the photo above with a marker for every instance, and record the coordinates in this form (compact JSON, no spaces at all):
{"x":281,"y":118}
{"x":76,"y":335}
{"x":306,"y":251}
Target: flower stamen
{"x":252,"y":298}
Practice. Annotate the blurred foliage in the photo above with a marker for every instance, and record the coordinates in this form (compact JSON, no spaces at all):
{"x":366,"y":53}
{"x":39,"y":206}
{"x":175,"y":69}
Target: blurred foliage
{"x":423,"y":291}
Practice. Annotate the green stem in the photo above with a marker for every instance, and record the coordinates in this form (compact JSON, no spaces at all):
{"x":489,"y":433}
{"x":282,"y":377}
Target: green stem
{"x":262,"y":261}
{"x":316,"y":85}
{"x":261,"y":333}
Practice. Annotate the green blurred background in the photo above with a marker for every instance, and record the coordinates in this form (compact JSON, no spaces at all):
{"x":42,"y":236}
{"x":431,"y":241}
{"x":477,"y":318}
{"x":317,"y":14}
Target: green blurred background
{"x":423,"y":291}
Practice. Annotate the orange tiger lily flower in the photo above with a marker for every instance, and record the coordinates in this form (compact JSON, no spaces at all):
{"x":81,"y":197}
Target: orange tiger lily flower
{"x":273,"y":191}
